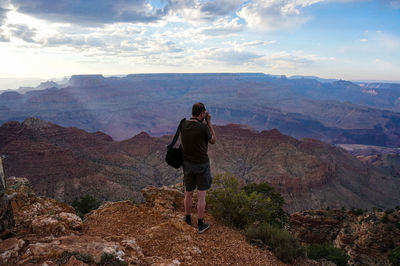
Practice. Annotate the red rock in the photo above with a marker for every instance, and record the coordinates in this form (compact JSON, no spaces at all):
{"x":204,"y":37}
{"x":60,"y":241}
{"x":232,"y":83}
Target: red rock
{"x":67,"y":163}
{"x":74,"y":262}
{"x":9,"y":250}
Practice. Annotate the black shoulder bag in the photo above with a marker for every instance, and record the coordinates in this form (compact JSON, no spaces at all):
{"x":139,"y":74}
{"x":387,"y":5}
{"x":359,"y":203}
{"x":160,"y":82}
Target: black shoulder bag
{"x":174,"y":156}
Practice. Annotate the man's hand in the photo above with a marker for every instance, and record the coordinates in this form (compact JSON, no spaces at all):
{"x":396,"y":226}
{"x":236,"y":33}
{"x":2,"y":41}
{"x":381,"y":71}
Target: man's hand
{"x":208,"y":117}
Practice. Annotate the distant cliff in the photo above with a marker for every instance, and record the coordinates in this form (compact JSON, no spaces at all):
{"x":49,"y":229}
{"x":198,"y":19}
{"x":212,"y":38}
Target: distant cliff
{"x":331,"y":111}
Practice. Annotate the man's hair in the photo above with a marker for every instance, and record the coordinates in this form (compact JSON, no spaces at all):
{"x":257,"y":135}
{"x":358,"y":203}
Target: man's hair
{"x":198,"y":108}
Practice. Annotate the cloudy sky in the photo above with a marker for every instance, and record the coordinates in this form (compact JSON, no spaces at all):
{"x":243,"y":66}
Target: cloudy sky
{"x":348,"y":39}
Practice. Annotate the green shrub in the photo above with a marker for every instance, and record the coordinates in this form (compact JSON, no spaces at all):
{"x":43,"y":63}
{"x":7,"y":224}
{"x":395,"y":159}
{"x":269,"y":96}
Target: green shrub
{"x":256,"y":207}
{"x":347,"y":229}
{"x":85,"y":205}
{"x":267,"y":191}
{"x":279,"y":216}
{"x":394,"y":256}
{"x":241,"y":207}
{"x":385,"y":219}
{"x":328,"y":252}
{"x":390,"y":211}
{"x":356,"y":211}
{"x":283,"y":244}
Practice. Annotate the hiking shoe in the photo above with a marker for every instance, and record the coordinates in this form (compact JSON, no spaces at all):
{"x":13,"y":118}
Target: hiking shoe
{"x":203,"y":227}
{"x":187,"y":220}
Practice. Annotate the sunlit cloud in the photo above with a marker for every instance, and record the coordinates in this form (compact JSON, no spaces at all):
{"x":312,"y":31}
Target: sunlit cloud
{"x":274,"y":15}
{"x":226,"y":55}
{"x":248,"y":45}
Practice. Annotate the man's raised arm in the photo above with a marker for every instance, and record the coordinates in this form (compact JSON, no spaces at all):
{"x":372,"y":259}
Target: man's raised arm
{"x":213,"y":137}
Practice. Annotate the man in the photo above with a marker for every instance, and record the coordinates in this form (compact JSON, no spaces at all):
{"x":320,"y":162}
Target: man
{"x":196,"y":133}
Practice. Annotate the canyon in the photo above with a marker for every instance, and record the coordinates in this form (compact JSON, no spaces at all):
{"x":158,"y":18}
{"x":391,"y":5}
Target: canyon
{"x":334,"y":111}
{"x":67,"y":163}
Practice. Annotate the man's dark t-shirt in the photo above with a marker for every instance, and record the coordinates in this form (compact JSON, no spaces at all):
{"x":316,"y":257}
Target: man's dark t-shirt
{"x":194,"y":138}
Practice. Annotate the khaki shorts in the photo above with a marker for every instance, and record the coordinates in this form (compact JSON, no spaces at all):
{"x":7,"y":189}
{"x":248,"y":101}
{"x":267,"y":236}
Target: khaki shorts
{"x":196,"y":176}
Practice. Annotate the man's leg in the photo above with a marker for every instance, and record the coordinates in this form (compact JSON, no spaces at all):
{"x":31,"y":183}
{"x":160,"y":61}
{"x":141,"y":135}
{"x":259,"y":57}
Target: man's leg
{"x":188,"y":202}
{"x":201,"y":206}
{"x":201,"y":203}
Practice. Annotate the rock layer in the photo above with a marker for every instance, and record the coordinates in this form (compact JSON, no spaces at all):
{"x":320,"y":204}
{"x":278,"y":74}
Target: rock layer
{"x":367,"y":237}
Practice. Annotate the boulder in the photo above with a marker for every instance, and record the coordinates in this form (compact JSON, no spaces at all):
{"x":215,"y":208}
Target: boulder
{"x":9,"y":250}
{"x":94,"y":249}
{"x":165,"y":197}
{"x":39,"y":215}
{"x":56,"y":225}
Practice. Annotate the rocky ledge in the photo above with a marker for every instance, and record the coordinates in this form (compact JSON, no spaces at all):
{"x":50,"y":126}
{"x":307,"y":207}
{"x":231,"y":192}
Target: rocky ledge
{"x":48,"y":232}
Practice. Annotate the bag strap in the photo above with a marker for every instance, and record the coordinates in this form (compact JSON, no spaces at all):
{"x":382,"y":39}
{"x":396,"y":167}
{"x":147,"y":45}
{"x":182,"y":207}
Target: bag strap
{"x":178,"y":130}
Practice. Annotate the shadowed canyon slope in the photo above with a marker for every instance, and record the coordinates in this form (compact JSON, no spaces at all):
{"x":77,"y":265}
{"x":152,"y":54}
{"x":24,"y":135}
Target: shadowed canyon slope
{"x":334,"y":111}
{"x":65,"y":163}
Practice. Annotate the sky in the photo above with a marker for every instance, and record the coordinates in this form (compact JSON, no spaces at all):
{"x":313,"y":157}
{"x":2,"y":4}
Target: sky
{"x":343,"y":39}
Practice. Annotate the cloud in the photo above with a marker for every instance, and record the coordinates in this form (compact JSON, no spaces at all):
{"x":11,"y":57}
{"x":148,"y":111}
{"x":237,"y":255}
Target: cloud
{"x":3,"y":15}
{"x":95,"y":12}
{"x":295,"y":60}
{"x":3,"y":18}
{"x":3,"y":37}
{"x":146,"y":46}
{"x":90,"y":11}
{"x":220,"y":8}
{"x":74,"y":41}
{"x":222,"y":28}
{"x":226,"y":55}
{"x":198,"y":12}
{"x":271,"y":15}
{"x":218,"y":29}
{"x":251,"y":44}
{"x":23,"y":32}
{"x":113,"y":43}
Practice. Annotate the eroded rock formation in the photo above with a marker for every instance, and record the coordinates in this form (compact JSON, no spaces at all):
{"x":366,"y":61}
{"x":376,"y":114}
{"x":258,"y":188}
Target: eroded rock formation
{"x":6,"y":212}
{"x":367,"y":237}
